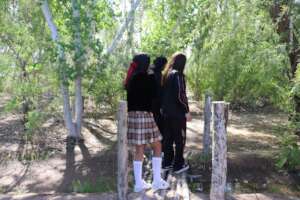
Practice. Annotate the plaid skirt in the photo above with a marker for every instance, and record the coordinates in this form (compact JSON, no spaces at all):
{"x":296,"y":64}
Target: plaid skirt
{"x":142,"y":128}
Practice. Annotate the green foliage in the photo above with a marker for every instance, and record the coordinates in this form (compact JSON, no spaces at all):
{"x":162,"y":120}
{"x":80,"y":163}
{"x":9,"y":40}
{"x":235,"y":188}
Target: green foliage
{"x":296,"y":87}
{"x":237,"y":55}
{"x":34,"y":122}
{"x":289,"y":152}
{"x":168,"y":27}
{"x":102,"y":185}
{"x":107,"y":89}
{"x":11,"y":105}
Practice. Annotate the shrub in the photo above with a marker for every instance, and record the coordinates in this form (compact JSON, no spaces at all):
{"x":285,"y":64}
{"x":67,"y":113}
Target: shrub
{"x":107,"y":89}
{"x":289,"y":152}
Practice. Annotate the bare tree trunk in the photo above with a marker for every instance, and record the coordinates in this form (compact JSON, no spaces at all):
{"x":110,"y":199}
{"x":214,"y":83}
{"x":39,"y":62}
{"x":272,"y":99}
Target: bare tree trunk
{"x":219,"y":153}
{"x":79,"y":62}
{"x":63,"y":79}
{"x":90,"y":15}
{"x":131,"y":31}
{"x":25,"y":103}
{"x":207,"y":122}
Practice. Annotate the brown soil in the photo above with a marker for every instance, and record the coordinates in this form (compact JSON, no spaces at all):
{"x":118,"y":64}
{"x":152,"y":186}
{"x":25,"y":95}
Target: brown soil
{"x":252,"y":149}
{"x":252,"y":144}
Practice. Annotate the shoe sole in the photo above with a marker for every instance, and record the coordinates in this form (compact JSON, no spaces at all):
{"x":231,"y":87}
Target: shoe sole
{"x":167,"y":169}
{"x":155,"y":189}
{"x":141,"y":189}
{"x":182,"y":170}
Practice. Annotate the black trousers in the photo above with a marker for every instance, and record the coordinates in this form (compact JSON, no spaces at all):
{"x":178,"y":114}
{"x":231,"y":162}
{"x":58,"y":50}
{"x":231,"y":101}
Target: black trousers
{"x":174,"y":133}
{"x":158,"y":116}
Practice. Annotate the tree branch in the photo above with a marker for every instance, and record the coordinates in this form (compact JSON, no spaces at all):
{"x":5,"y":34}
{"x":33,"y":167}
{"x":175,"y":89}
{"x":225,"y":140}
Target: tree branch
{"x":49,"y":20}
{"x":15,"y":53}
{"x":61,"y":58}
{"x":123,"y":28}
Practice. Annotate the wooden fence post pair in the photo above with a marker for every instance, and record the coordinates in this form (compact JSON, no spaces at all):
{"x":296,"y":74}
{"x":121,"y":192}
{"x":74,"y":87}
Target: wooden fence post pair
{"x":219,"y":147}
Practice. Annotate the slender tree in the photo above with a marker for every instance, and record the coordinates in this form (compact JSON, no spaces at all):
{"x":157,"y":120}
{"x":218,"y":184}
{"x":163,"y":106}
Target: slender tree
{"x":61,"y":59}
{"x":281,"y":13}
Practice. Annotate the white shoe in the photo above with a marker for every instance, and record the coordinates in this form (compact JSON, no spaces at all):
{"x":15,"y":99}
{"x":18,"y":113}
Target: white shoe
{"x":144,"y":186}
{"x":161,"y":185}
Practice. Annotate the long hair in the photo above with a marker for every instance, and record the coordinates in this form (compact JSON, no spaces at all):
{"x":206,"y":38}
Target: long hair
{"x":140,"y":64}
{"x":176,"y":62}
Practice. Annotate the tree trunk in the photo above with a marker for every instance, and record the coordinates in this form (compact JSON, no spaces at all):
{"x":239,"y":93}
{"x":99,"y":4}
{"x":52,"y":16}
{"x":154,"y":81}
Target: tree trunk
{"x":25,"y":103}
{"x":79,"y":62}
{"x":123,"y":28}
{"x":207,"y":122}
{"x":284,"y":22}
{"x":63,"y":79}
{"x":131,"y":32}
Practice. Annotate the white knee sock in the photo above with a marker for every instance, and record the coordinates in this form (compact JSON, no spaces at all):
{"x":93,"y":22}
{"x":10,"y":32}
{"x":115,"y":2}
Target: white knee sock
{"x":138,"y":170}
{"x":156,"y":166}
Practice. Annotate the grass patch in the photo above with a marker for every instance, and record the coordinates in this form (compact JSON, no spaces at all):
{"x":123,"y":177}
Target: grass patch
{"x":102,"y":185}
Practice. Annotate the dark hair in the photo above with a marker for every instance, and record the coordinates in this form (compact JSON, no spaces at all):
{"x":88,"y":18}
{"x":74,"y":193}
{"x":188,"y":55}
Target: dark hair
{"x":159,"y":63}
{"x":176,"y":62}
{"x":143,"y":61}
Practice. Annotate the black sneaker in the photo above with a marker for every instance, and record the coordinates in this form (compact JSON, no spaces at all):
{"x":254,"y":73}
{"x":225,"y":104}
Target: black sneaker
{"x":183,"y":168}
{"x":167,"y":168}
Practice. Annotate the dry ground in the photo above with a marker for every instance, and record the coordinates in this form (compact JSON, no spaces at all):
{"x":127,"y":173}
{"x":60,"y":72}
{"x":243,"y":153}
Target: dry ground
{"x":252,"y":145}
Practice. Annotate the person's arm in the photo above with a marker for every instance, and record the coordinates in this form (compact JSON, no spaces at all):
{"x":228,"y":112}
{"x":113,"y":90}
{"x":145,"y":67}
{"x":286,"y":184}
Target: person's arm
{"x":180,"y":89}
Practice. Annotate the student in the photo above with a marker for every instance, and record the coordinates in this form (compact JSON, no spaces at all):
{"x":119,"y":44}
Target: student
{"x":142,"y":129}
{"x":158,"y":65}
{"x":176,"y":113}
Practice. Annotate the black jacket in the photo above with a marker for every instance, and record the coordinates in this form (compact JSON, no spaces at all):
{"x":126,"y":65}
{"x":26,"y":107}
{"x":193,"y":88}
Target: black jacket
{"x":174,"y":101}
{"x":141,"y":92}
{"x":156,"y":105}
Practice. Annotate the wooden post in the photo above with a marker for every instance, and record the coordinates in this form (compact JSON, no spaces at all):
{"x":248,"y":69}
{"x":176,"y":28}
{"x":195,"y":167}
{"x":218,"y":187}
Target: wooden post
{"x":219,"y":152}
{"x":122,"y":152}
{"x":207,"y":120}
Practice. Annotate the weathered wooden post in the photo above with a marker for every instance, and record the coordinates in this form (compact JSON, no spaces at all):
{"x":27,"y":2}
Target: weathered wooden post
{"x":207,"y":120}
{"x":219,"y":152}
{"x":122,"y":152}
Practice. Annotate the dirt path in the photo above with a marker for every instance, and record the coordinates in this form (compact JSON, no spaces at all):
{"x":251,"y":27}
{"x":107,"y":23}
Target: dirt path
{"x":111,"y":196}
{"x":251,"y":139}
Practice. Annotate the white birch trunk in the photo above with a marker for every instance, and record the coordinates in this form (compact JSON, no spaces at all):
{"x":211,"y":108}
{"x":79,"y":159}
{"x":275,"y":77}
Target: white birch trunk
{"x":131,"y":32}
{"x":123,"y":28}
{"x":61,"y":59}
{"x":122,"y":152}
{"x":79,"y":62}
{"x":92,"y":25}
{"x":207,"y":125}
{"x":219,"y":153}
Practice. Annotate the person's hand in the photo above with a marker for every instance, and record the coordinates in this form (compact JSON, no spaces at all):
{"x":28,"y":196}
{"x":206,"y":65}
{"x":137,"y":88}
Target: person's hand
{"x":188,"y":117}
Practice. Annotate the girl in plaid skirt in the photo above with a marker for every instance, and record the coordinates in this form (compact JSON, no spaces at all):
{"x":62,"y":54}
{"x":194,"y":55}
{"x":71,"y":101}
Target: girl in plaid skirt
{"x":142,"y":129}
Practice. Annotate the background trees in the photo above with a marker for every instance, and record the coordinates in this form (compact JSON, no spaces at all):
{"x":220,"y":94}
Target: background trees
{"x":245,"y":52}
